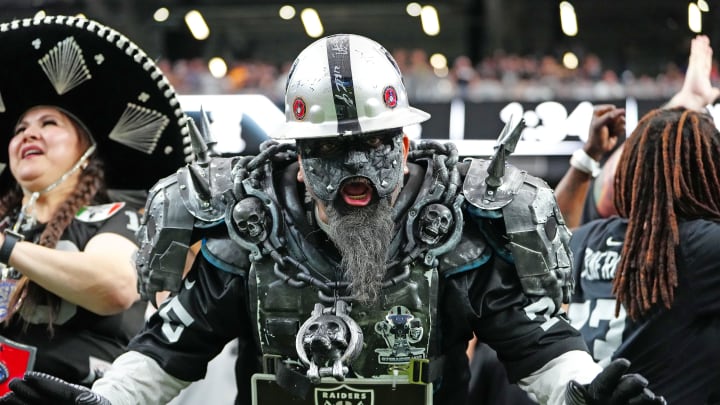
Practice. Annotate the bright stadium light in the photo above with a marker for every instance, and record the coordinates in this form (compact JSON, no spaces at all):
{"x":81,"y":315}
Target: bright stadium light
{"x":568,"y":19}
{"x":197,"y":25}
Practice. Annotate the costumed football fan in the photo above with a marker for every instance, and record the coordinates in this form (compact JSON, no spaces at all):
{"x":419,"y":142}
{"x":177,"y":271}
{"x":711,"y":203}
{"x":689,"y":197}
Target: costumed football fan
{"x":350,"y":265}
{"x":82,"y":110}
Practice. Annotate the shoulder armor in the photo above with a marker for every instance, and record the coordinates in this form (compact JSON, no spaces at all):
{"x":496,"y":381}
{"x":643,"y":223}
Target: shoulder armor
{"x":538,"y":237}
{"x":202,"y":188}
{"x":480,"y":195}
{"x":539,"y":241}
{"x":164,"y":236}
{"x":193,"y":197}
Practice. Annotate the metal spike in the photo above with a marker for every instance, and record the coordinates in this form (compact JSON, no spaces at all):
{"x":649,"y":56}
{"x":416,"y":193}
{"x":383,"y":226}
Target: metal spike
{"x":199,"y":147}
{"x":507,"y":141}
{"x":496,"y":169}
{"x":503,"y":133}
{"x":202,"y":187}
{"x":206,"y":132}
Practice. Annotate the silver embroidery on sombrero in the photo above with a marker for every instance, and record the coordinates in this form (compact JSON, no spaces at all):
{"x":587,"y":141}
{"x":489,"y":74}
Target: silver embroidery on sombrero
{"x":138,"y":56}
{"x":65,"y":66}
{"x":139,"y":128}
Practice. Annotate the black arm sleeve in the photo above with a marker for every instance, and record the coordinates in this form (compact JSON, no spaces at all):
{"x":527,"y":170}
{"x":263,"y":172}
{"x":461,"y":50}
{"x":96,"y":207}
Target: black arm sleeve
{"x":192,"y":327}
{"x":519,"y":328}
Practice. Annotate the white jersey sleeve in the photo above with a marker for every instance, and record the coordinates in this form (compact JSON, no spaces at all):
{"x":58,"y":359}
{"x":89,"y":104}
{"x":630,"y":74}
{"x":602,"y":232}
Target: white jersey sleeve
{"x":137,"y":379}
{"x":549,"y":382}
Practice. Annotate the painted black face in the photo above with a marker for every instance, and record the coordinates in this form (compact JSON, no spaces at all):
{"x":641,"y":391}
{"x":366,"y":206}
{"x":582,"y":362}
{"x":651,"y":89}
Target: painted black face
{"x":376,"y":157}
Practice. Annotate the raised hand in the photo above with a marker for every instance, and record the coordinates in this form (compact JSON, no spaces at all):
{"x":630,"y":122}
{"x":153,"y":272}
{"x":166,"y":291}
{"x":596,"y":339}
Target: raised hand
{"x":697,"y":90}
{"x":607,"y":129}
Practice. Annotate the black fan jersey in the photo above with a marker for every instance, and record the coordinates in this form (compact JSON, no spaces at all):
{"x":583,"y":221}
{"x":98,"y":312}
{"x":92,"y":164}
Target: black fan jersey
{"x":82,"y":343}
{"x":677,"y":350}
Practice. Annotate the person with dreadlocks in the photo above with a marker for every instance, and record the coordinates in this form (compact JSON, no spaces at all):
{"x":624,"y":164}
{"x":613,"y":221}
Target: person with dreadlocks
{"x":75,"y":134}
{"x":646,"y":280}
{"x":352,"y":266}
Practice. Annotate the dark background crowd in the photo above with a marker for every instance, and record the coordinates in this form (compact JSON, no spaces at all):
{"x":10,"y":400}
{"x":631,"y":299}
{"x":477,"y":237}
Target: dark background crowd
{"x":502,"y":76}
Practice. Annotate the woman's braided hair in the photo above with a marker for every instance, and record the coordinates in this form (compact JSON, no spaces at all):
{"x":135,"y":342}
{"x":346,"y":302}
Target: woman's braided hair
{"x":668,"y":171}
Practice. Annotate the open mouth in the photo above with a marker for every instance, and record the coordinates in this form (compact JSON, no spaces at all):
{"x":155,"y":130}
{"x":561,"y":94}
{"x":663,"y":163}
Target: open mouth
{"x":30,"y":151}
{"x":356,"y":192}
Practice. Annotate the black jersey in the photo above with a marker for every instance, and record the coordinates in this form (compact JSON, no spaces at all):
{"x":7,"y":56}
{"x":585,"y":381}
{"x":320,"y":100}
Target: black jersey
{"x":82,"y":343}
{"x":677,"y":350}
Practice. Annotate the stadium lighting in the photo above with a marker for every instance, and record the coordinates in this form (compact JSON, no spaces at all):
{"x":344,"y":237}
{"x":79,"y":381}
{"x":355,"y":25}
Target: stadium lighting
{"x":197,"y":25}
{"x":311,"y":22}
{"x":430,"y":21}
{"x":568,"y":19}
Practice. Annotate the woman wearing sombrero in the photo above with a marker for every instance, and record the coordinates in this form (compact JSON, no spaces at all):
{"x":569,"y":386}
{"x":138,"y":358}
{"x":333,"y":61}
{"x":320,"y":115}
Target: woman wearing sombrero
{"x":82,"y":110}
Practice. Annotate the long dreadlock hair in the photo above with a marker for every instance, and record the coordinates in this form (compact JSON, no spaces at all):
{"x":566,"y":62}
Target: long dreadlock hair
{"x":28,"y":296}
{"x":667,"y":171}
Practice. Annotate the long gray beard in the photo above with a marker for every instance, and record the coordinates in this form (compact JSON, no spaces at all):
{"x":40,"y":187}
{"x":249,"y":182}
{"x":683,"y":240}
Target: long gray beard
{"x":363,"y":236}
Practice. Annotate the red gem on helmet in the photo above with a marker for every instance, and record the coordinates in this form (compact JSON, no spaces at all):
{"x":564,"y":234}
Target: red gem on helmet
{"x":299,"y":108}
{"x":390,"y":97}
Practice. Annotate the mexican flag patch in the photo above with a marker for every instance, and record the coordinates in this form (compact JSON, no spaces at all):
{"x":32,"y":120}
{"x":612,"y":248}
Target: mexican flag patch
{"x":97,"y":213}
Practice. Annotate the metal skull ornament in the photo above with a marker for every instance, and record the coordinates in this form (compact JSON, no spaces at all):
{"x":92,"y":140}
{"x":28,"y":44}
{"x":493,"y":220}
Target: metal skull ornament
{"x":326,"y":339}
{"x":435,"y":222}
{"x":251,"y":220}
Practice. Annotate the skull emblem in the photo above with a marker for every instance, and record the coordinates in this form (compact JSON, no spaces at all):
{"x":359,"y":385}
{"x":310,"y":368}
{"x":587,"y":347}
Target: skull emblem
{"x":250,"y":219}
{"x":326,"y":339}
{"x":435,"y":222}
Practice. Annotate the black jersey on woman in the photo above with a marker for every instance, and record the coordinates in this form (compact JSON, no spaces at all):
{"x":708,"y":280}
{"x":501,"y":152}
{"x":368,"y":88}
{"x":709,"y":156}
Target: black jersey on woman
{"x":82,"y":344}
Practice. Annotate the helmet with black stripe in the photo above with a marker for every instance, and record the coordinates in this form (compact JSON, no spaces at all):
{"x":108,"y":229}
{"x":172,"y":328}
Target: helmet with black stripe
{"x":345,"y":84}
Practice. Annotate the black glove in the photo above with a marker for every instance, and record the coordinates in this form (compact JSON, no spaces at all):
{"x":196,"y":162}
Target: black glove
{"x":613,"y":387}
{"x":43,"y":389}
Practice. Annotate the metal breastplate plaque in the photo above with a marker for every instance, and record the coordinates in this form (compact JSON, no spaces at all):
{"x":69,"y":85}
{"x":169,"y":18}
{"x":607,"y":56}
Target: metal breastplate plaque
{"x":394,"y":334}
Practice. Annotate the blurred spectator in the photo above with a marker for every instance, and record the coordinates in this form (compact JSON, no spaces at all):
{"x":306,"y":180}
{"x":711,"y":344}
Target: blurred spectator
{"x":463,"y":74}
{"x":500,"y":76}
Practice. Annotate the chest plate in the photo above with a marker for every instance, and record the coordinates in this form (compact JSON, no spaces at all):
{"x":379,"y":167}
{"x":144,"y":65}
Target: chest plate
{"x":299,"y":323}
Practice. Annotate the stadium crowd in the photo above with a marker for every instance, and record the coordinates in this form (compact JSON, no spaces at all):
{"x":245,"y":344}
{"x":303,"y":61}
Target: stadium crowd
{"x":498,"y":77}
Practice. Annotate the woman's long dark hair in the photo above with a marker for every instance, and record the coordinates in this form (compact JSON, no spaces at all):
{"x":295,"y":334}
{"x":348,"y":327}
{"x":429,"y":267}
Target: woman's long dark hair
{"x":668,"y":170}
{"x":28,"y":296}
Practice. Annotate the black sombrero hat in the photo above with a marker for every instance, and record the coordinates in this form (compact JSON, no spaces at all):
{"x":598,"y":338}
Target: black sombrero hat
{"x":105,"y":81}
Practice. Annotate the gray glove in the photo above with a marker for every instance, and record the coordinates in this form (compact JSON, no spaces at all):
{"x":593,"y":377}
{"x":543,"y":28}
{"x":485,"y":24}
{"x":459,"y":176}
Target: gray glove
{"x":613,"y":387}
{"x":42,"y":389}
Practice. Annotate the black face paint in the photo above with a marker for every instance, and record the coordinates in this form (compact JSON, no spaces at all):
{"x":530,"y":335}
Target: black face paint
{"x":328,"y":162}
